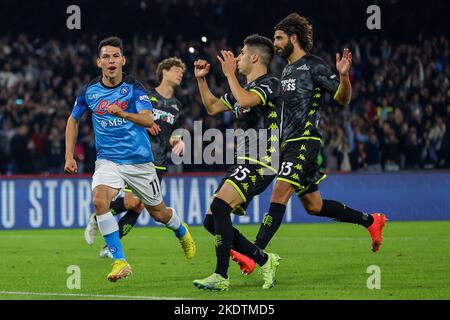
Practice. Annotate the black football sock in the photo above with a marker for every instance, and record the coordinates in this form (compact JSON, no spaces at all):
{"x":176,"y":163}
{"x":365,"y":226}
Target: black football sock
{"x":340,"y":212}
{"x":240,"y":243}
{"x":118,"y":206}
{"x":223,"y":229}
{"x":127,"y":222}
{"x":208,"y":223}
{"x":270,"y":224}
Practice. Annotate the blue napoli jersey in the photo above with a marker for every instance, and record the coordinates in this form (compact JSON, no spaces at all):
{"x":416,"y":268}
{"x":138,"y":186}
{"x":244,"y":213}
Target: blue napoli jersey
{"x":116,"y":139}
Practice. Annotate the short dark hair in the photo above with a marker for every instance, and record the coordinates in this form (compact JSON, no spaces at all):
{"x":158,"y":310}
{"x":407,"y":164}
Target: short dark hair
{"x":168,"y":63}
{"x":110,"y":41}
{"x":263,"y":45}
{"x":296,"y":24}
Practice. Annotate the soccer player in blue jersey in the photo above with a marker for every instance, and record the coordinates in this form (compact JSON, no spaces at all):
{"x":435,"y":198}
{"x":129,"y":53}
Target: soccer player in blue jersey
{"x":121,"y":112}
{"x":168,"y":115}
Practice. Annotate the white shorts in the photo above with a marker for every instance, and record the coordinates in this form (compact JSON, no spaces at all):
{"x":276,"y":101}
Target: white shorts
{"x":141,"y":178}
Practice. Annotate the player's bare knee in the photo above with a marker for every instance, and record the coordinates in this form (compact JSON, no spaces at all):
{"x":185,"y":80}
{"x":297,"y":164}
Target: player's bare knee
{"x":282,"y":193}
{"x":312,"y":202}
{"x":133,"y":203}
{"x":101,"y":204}
{"x":313,"y":209}
{"x":229,"y":194}
{"x":139,"y":207}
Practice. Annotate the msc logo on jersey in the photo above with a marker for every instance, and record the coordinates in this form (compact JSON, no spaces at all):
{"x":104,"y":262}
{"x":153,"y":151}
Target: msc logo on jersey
{"x":116,"y":122}
{"x":124,"y":91}
{"x":288,"y":85}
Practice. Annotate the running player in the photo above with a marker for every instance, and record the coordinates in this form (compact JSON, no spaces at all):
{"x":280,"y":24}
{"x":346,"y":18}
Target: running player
{"x":121,"y":110}
{"x":167,"y":114}
{"x":256,"y":108}
{"x":305,"y":81}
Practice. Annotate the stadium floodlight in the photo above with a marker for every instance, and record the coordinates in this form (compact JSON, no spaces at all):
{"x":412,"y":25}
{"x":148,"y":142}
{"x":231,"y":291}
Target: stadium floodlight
{"x":191,"y":49}
{"x":204,"y":39}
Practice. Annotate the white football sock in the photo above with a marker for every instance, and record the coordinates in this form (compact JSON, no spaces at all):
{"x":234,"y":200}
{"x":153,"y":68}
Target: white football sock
{"x":107,"y":224}
{"x":174,"y":222}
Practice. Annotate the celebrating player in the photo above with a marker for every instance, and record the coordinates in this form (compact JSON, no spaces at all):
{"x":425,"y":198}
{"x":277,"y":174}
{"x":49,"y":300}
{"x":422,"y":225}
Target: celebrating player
{"x":256,"y":108}
{"x":167,"y":118}
{"x":121,"y":110}
{"x":305,"y":80}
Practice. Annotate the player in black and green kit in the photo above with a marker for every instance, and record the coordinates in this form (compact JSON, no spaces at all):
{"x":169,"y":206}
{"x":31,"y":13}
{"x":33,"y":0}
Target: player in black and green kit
{"x":256,"y":107}
{"x":167,"y":112}
{"x":168,"y":117}
{"x":305,"y":80}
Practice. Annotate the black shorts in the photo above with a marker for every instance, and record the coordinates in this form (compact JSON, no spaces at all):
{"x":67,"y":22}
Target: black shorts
{"x":249,"y":180}
{"x":299,"y":165}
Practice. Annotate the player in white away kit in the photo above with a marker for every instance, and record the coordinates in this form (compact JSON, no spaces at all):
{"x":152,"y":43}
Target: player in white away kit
{"x":121,"y":112}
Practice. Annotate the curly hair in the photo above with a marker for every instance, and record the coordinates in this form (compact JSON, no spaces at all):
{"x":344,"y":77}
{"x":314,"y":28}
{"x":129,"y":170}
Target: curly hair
{"x":300,"y":26}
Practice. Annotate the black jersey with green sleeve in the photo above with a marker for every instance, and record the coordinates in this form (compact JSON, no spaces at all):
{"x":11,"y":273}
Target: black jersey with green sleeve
{"x":305,"y":83}
{"x":266,"y":116}
{"x":167,"y":114}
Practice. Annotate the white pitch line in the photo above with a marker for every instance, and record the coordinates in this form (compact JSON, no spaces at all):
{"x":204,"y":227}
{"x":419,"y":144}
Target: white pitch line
{"x":88,"y":295}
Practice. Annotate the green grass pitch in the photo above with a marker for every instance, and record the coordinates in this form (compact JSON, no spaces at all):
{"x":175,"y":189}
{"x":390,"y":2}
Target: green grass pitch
{"x":319,"y":261}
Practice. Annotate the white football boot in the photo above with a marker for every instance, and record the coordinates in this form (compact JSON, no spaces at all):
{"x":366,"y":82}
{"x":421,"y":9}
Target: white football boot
{"x":105,"y":253}
{"x":91,"y":230}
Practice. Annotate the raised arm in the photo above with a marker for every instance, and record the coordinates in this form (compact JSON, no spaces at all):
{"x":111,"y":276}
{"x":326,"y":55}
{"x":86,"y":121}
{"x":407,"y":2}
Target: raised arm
{"x":246,"y":99}
{"x":344,"y":94}
{"x":212,"y":104}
